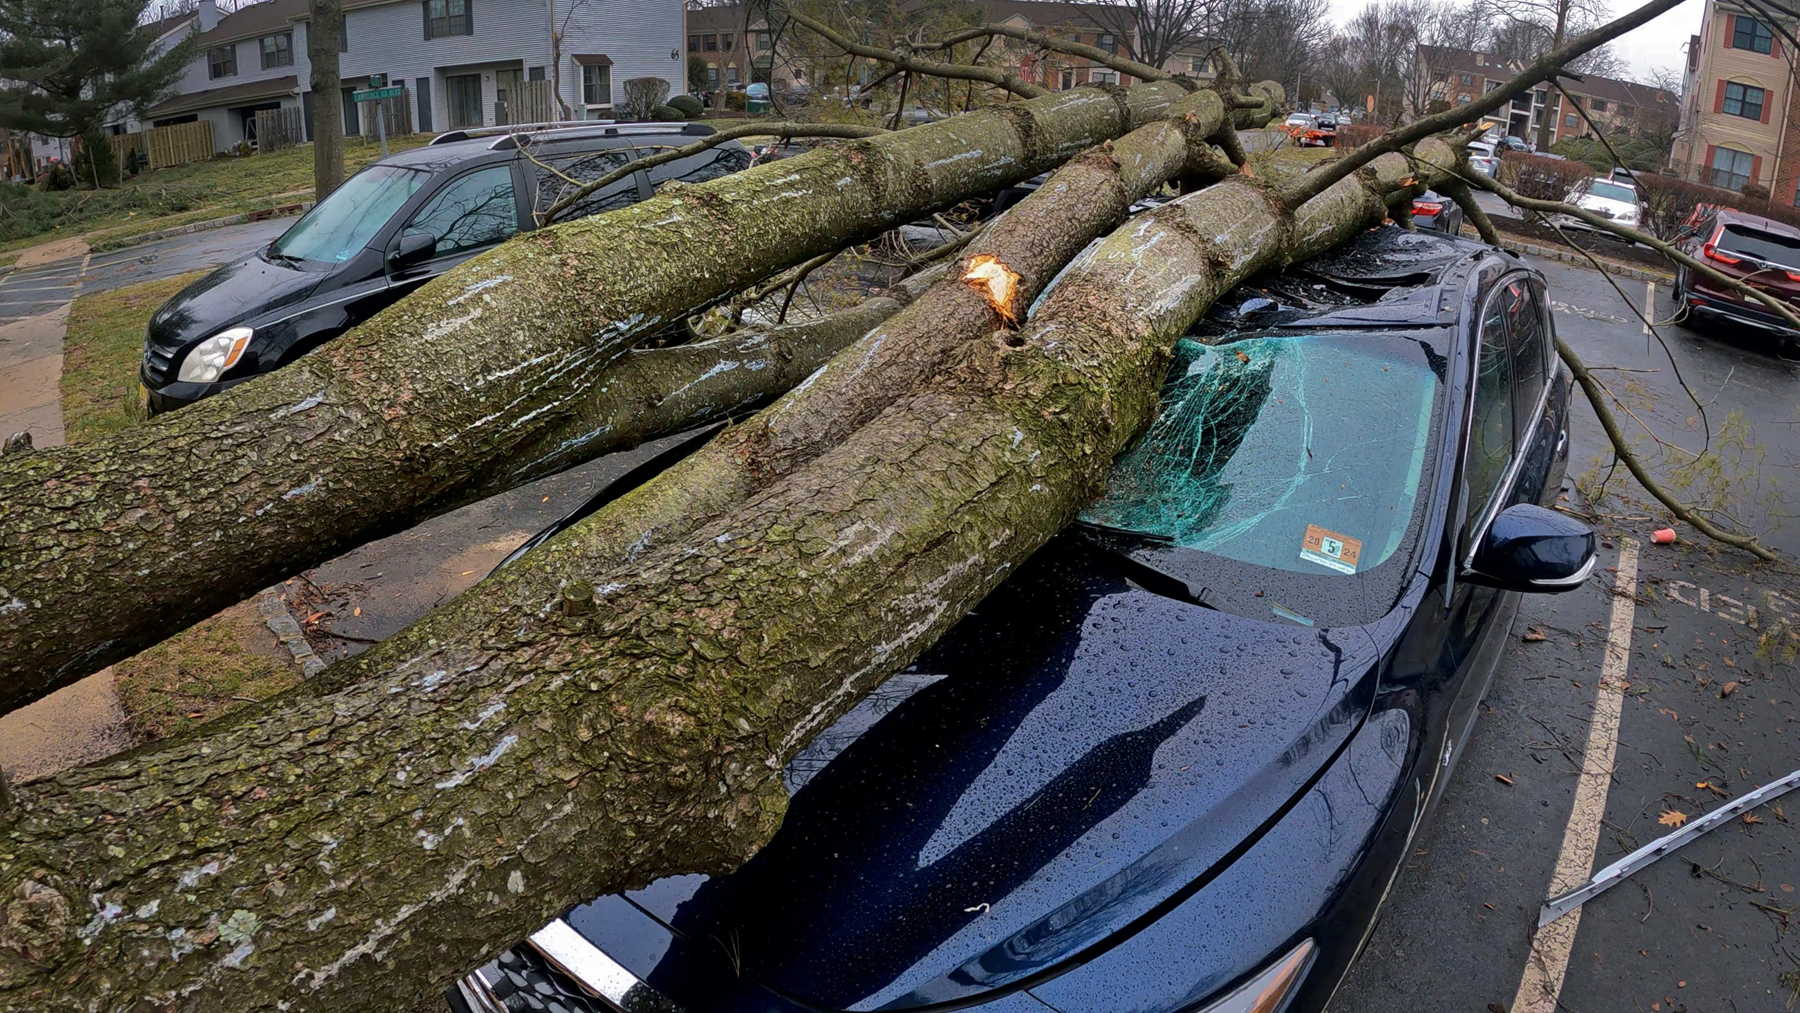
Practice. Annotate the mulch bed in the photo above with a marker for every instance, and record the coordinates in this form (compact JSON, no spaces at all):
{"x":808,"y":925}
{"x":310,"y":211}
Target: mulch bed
{"x":1598,"y":245}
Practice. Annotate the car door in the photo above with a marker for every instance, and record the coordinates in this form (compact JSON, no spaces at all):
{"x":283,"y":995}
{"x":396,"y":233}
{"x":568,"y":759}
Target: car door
{"x":469,"y":214}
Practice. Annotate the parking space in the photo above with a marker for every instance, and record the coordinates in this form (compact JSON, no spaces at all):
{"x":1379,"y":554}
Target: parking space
{"x":1706,"y":695}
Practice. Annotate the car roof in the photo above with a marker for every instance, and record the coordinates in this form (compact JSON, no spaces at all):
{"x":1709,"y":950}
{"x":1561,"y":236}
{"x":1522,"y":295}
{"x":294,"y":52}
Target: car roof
{"x":459,"y":146}
{"x":1732,"y":216}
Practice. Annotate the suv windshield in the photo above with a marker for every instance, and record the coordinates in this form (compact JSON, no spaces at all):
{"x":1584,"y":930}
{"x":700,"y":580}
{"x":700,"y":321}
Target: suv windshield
{"x":1612,"y":191}
{"x":1782,"y":251}
{"x":343,"y":223}
{"x":1302,"y":455}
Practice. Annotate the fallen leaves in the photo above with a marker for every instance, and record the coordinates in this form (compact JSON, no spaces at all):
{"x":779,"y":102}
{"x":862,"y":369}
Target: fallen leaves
{"x":1751,"y":819}
{"x":1672,"y":818}
{"x":1709,"y":786}
{"x":1534,"y":636}
{"x":1728,"y":689}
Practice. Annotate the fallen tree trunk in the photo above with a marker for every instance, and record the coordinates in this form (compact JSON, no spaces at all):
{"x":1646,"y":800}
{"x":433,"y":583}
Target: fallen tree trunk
{"x":113,"y":545}
{"x":360,"y":847}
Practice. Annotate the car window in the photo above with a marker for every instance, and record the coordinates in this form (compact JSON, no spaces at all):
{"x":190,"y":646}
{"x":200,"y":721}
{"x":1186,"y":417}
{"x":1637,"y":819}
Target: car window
{"x":1612,"y":191}
{"x":477,"y":209}
{"x":554,"y":182}
{"x":1782,"y":251}
{"x":1303,"y":454}
{"x":339,"y":226}
{"x":711,"y":164}
{"x":1524,"y":307}
{"x":1491,"y":427}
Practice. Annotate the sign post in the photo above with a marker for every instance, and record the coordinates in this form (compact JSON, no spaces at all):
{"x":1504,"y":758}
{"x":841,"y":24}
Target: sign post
{"x":377,"y":91}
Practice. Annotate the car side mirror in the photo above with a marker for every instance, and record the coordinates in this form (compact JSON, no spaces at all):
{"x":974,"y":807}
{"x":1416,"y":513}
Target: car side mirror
{"x":1529,"y":548}
{"x":415,"y":248}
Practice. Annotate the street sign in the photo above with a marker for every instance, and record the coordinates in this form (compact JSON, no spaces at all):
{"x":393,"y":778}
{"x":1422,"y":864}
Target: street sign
{"x":378,"y":81}
{"x":376,"y":94}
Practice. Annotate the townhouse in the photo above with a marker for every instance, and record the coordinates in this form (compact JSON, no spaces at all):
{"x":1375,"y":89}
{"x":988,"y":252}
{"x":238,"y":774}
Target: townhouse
{"x":463,"y":63}
{"x":1443,"y":76}
{"x":1738,"y":121}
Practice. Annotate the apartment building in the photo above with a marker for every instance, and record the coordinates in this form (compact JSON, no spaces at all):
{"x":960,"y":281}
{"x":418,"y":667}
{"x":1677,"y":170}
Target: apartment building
{"x":1443,"y":76}
{"x":1738,"y":121}
{"x":463,"y":62}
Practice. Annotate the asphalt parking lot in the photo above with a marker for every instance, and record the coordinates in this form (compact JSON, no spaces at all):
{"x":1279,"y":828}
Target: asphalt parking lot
{"x":1707,"y":701}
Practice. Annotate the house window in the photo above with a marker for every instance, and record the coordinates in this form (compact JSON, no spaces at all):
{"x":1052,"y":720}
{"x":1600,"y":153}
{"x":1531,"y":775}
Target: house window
{"x":712,"y":75}
{"x":693,"y":43}
{"x":1103,"y":77}
{"x":1463,"y":98}
{"x":762,"y":42}
{"x":1068,"y":80}
{"x":1752,"y":34}
{"x":1743,"y":100}
{"x":1570,"y":120}
{"x":448,"y":17}
{"x":1731,"y":168}
{"x":1199,"y":65}
{"x":1468,"y":79}
{"x":1108,"y":42}
{"x":725,"y":41}
{"x":731,"y":75}
{"x":278,"y":50}
{"x":221,"y":61}
{"x":712,"y":43}
{"x":1597,"y":105}
{"x":1625,"y":111}
{"x":596,"y":84}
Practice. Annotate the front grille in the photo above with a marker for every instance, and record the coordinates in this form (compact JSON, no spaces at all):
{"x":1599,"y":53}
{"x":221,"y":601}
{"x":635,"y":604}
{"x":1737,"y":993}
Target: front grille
{"x":157,"y":364}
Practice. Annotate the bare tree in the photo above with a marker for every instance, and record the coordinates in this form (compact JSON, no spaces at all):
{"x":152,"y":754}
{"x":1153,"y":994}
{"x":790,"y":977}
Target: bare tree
{"x":1152,"y":30}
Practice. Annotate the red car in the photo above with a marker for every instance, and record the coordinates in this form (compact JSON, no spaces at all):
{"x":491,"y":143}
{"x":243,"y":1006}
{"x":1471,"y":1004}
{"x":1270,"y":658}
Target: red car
{"x":1761,"y":252}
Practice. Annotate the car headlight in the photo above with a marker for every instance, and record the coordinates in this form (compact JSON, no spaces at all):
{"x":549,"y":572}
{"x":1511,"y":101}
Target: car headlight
{"x":1272,"y":988}
{"x":207,"y":360}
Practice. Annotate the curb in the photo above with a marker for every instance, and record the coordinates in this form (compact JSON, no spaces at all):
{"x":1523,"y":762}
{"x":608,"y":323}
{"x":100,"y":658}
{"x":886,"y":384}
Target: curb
{"x":262,"y":214}
{"x":286,"y":630}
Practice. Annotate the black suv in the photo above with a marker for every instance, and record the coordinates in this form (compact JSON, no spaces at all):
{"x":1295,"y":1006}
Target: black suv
{"x":387,"y":230}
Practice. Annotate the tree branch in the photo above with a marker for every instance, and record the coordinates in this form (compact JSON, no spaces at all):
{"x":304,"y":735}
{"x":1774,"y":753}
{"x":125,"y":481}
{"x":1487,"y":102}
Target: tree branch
{"x":1315,"y":182}
{"x":1591,"y":388}
{"x":1122,"y":64}
{"x":935,"y":68}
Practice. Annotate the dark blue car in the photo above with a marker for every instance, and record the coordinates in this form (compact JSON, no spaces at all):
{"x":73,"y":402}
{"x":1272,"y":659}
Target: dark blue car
{"x":1174,"y":763}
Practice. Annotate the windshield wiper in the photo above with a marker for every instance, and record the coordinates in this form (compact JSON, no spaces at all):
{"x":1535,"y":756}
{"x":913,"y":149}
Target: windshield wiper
{"x":275,"y":256}
{"x":1150,"y":577}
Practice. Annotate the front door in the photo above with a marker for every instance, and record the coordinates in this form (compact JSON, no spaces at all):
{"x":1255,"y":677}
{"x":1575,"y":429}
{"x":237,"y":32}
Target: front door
{"x":463,"y":95}
{"x":506,"y":96}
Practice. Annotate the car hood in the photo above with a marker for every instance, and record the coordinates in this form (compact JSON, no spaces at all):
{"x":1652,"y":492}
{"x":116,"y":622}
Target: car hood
{"x":1606,"y":205}
{"x":1072,"y":759}
{"x":233,"y":294}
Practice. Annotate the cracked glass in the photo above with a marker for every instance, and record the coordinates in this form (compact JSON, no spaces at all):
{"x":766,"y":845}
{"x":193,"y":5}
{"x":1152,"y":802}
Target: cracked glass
{"x":1302,"y":454}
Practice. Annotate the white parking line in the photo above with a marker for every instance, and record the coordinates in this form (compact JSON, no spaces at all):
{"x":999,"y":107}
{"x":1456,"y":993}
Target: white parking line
{"x":1542,"y":982}
{"x":1649,"y":304}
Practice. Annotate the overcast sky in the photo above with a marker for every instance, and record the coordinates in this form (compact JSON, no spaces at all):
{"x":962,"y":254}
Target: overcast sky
{"x":1661,"y":43}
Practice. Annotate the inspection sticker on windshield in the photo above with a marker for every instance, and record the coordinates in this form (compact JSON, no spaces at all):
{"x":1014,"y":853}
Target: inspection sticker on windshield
{"x":1328,"y":548}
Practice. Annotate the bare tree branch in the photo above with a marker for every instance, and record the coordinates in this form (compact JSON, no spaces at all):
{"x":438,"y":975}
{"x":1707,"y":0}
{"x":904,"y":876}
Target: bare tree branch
{"x":935,"y":68}
{"x":1122,"y":64}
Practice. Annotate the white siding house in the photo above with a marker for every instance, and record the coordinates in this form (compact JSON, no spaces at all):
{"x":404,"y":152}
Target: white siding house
{"x":459,"y":59}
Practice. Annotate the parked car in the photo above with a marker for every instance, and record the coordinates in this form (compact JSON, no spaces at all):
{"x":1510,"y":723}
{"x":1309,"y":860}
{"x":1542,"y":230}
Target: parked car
{"x":1618,"y":202}
{"x":1305,"y":130}
{"x":1507,"y":142}
{"x":1174,"y":763}
{"x":1434,"y":212}
{"x":1483,"y":157}
{"x":1760,"y":252}
{"x":387,"y":230}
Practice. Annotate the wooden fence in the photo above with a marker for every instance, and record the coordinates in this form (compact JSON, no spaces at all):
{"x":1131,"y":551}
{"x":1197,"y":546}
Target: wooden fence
{"x":125,"y":146}
{"x":396,"y":113}
{"x":279,"y":128}
{"x":179,"y":143}
{"x":533,"y":103}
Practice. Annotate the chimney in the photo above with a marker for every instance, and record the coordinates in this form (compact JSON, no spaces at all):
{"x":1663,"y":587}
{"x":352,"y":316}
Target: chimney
{"x":209,"y":14}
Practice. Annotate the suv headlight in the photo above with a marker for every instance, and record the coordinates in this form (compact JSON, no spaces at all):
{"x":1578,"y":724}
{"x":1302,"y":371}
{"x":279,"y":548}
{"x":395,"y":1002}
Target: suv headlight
{"x":210,"y":358}
{"x":1272,"y":988}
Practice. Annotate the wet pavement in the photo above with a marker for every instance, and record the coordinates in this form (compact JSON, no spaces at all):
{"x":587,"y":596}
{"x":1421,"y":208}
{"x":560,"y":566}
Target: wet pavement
{"x":1708,"y":708}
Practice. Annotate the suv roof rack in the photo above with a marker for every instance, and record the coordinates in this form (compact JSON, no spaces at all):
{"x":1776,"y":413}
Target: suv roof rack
{"x":507,"y":136}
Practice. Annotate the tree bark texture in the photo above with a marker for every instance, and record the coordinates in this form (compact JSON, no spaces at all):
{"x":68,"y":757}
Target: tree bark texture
{"x":323,"y":33}
{"x":108,"y":547}
{"x":357,"y":847}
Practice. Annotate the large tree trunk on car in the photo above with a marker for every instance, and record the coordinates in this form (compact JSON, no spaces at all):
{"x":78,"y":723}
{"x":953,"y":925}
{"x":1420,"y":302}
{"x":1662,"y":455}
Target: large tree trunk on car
{"x":113,"y":545}
{"x":355,"y":846}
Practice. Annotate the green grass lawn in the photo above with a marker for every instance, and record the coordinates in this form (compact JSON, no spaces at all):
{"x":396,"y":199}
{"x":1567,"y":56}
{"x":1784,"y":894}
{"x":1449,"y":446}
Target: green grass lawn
{"x":101,"y":352}
{"x":179,"y":195}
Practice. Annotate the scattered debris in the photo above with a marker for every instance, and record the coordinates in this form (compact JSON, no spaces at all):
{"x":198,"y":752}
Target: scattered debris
{"x":1672,"y":818}
{"x":1533,"y":636}
{"x":1729,"y":688}
{"x":1663,"y":536}
{"x":1503,"y":779}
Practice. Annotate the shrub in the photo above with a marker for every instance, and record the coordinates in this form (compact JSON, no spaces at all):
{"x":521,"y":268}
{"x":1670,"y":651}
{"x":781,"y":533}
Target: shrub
{"x":56,"y":176}
{"x":1668,"y":202}
{"x":736,"y":101}
{"x":1355,"y":135}
{"x":696,"y":73}
{"x":1541,"y":178}
{"x":1756,"y":192}
{"x":687,"y":105}
{"x":643,"y":95}
{"x":95,"y":163}
{"x":667,"y":114}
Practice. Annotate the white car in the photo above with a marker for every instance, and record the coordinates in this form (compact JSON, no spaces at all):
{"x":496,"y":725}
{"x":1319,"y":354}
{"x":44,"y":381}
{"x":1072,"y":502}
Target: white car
{"x":1607,"y":198}
{"x":1482,"y":157}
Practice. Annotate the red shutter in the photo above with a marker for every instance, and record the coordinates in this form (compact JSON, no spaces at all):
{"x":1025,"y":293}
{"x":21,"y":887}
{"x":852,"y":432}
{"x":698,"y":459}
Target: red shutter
{"x":1775,"y":47}
{"x":1730,"y":28}
{"x":1719,"y":97}
{"x":1768,"y":101}
{"x":1756,"y":169}
{"x":1712,"y":151}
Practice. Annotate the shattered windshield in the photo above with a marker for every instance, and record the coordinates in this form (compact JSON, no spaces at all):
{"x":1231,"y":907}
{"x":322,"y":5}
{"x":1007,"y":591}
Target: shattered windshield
{"x":1300,"y":454}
